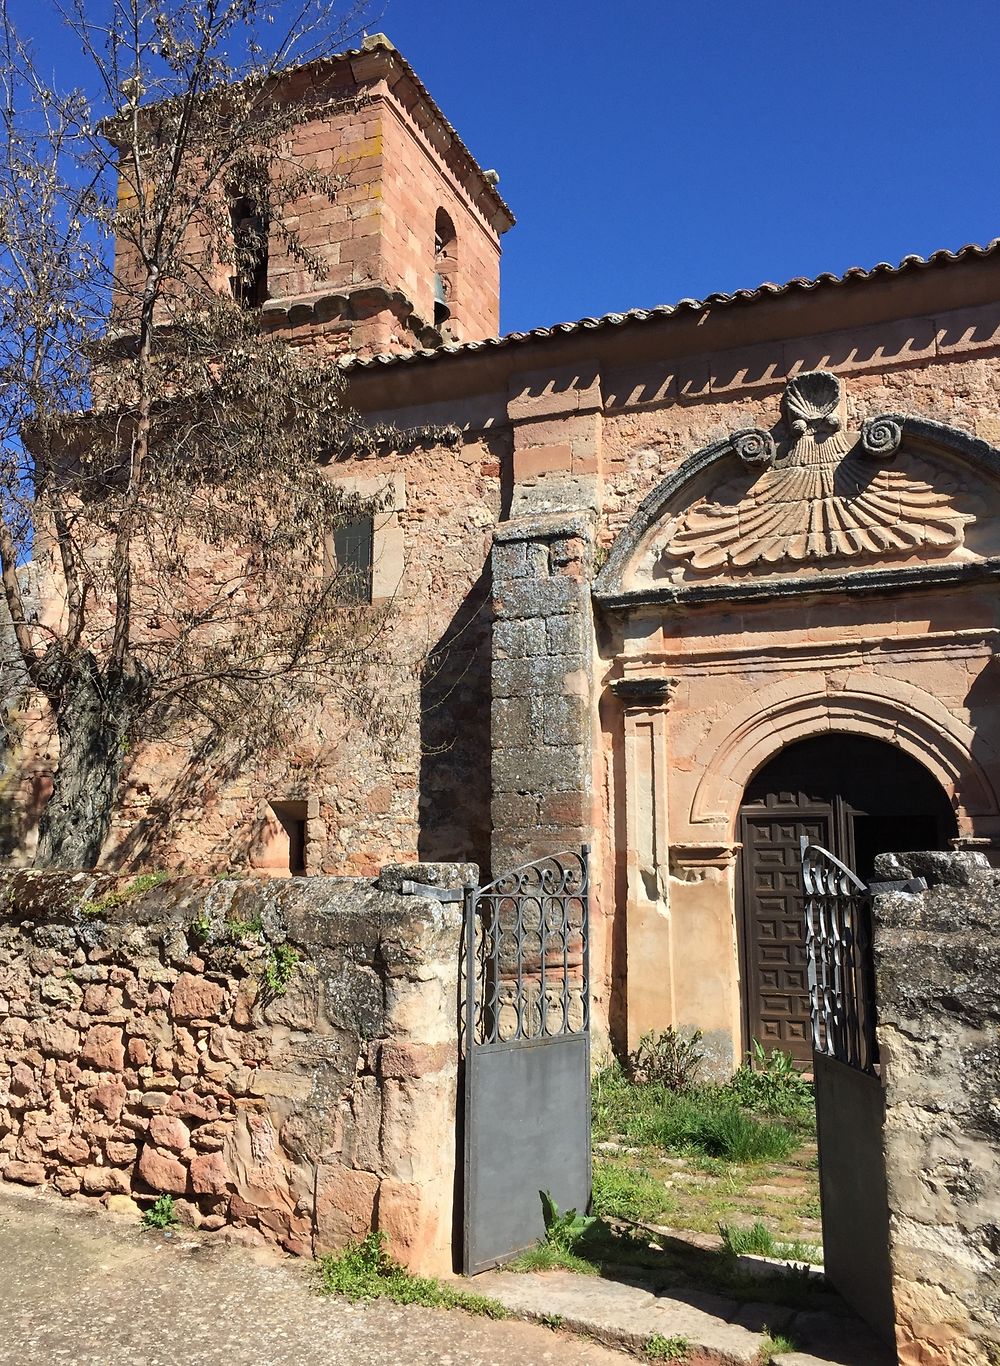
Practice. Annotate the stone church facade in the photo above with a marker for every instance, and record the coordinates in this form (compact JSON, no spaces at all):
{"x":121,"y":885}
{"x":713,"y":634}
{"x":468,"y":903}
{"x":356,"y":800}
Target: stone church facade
{"x":682,"y":584}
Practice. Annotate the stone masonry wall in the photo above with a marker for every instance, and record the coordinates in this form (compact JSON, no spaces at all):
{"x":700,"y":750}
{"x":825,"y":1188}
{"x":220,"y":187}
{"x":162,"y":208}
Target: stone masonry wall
{"x":938,"y":963}
{"x":279,"y":1057}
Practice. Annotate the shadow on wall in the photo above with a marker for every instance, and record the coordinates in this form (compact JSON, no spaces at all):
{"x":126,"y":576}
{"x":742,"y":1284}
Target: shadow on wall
{"x":454,"y":811}
{"x":207,"y":771}
{"x":882,"y":347}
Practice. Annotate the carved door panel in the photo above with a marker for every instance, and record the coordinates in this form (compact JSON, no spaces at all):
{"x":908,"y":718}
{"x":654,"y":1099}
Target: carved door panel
{"x":776,"y":991}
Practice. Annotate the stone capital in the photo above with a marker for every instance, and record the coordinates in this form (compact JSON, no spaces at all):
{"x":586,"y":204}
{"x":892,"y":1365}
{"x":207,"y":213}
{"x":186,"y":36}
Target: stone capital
{"x":644,"y":692}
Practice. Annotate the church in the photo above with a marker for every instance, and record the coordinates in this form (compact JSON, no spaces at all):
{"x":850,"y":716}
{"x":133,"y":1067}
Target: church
{"x":681,"y":584}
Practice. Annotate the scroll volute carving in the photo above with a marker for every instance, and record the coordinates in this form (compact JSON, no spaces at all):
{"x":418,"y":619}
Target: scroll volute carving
{"x":823,"y":492}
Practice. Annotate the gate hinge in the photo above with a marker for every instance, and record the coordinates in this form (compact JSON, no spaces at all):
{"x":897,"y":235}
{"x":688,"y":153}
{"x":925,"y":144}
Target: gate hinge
{"x":409,"y":888}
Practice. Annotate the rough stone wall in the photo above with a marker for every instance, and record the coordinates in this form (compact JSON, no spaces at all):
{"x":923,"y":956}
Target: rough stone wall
{"x":149,"y":1043}
{"x":938,"y":963}
{"x":187,"y":805}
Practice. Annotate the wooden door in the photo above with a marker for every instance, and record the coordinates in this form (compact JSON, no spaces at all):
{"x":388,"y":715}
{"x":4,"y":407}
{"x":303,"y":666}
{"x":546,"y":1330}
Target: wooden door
{"x":776,"y":989}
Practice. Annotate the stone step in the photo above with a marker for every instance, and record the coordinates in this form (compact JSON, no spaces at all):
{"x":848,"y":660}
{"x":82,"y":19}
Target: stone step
{"x":718,"y":1331}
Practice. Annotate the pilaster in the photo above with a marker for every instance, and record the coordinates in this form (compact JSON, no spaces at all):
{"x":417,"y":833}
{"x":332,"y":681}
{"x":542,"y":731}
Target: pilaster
{"x":542,"y":673}
{"x":649,"y":950}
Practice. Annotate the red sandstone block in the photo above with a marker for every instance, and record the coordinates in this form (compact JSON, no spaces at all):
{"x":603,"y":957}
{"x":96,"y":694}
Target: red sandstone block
{"x":539,"y":460}
{"x":162,"y":1172}
{"x":27,"y":1173}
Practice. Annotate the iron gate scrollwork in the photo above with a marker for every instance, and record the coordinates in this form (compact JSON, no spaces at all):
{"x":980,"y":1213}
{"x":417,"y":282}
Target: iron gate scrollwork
{"x":526,"y":1052}
{"x":841,"y":966}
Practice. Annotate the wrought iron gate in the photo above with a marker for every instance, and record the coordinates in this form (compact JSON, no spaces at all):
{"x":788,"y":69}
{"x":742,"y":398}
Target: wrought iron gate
{"x":526,"y":1053}
{"x":840,"y":964}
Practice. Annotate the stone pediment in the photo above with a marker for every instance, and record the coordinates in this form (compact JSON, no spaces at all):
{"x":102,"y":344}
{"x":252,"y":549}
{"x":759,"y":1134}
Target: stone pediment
{"x":813,"y":499}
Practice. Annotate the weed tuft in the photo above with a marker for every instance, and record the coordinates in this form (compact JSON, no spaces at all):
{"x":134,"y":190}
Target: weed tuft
{"x":365,"y":1271}
{"x":758,"y":1241}
{"x":667,"y":1059}
{"x":659,"y":1348}
{"x":161,"y":1213}
{"x":548,"y":1257}
{"x":773,"y":1085}
{"x":279,"y":969}
{"x":774,"y":1344}
{"x":110,"y":900}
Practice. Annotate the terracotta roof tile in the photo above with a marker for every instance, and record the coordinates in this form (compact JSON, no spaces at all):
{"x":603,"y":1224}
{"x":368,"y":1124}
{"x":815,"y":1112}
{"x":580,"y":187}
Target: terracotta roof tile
{"x":636,"y":316}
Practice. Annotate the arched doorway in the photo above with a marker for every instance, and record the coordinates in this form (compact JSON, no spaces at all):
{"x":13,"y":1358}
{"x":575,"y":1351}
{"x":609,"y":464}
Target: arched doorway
{"x":856,"y":796}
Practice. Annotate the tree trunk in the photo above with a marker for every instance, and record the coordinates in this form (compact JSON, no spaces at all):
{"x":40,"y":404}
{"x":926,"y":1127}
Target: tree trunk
{"x":94,"y":715}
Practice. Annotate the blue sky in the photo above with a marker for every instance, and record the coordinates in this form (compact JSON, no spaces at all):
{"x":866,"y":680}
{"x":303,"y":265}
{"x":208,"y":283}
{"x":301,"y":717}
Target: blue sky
{"x":657,"y":149}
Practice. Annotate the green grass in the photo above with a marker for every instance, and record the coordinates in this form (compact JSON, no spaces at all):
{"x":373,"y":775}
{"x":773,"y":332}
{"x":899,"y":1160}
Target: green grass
{"x":659,"y":1348}
{"x":161,"y":1213}
{"x":621,"y":1193}
{"x":548,"y":1257}
{"x":776,"y":1343}
{"x":705,"y":1120}
{"x":758,"y":1240}
{"x":365,"y":1271}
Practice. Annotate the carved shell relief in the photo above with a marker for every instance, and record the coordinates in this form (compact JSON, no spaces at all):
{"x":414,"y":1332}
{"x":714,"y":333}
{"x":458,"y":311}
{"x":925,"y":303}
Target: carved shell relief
{"x":822,"y":492}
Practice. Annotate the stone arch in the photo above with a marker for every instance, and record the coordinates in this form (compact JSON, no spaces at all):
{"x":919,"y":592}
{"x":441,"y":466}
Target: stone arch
{"x":745,"y":739}
{"x":755,"y":447}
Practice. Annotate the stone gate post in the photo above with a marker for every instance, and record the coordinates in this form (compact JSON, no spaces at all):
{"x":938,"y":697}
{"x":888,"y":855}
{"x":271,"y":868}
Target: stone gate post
{"x":937,"y":958}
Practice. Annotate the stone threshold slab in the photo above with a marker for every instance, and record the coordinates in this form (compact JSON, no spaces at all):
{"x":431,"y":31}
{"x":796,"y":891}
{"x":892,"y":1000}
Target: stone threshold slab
{"x":719,"y":1331}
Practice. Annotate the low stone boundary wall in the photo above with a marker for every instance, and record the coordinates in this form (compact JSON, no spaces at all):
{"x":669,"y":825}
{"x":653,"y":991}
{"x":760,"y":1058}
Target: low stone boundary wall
{"x":277,"y":1056}
{"x":938,"y":966}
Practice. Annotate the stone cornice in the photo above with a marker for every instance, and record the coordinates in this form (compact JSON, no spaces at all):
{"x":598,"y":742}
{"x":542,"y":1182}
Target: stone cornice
{"x":752,"y":591}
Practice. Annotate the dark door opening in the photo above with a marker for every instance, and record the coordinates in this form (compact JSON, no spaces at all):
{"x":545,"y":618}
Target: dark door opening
{"x":858,"y":798}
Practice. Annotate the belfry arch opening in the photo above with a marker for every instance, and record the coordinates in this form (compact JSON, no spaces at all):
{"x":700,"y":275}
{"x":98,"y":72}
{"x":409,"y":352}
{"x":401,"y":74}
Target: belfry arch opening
{"x":857,"y":797}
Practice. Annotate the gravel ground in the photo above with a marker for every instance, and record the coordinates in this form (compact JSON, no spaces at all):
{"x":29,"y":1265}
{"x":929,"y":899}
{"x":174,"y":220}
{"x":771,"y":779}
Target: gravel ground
{"x":81,"y":1286}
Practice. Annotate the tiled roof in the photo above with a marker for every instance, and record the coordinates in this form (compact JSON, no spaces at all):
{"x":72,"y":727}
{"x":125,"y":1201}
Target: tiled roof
{"x":644,"y":315}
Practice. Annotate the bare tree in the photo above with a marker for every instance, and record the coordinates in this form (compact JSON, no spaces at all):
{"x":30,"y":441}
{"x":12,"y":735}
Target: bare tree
{"x":162,"y":458}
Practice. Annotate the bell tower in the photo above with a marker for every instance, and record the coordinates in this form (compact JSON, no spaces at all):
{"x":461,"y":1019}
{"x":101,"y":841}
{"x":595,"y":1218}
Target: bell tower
{"x":406,"y":254}
{"x":411,"y":246}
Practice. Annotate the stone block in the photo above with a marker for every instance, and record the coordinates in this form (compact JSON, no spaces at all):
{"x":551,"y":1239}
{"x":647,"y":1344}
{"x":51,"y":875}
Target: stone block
{"x":162,"y":1171}
{"x":167,"y":1131}
{"x":547,"y":675}
{"x":565,"y":721}
{"x":209,"y":1174}
{"x":516,"y":722}
{"x":345,"y":1205}
{"x":524,"y":638}
{"x":538,"y":597}
{"x":567,"y":635}
{"x":544,"y":769}
{"x":284,"y":1085}
{"x":534,"y":462}
{"x":103,"y":1049}
{"x":514,"y":808}
{"x":195,"y":998}
{"x":26,"y":1173}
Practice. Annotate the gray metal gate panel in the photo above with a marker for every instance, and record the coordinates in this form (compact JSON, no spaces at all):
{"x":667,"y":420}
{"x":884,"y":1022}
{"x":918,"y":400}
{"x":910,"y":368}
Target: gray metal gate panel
{"x":526,"y":1050}
{"x":850,"y":1104}
{"x":528,"y":1130}
{"x":850,"y":1113}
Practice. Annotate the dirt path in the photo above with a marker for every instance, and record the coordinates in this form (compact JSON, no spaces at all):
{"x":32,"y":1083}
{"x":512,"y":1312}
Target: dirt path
{"x":84,"y":1289}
